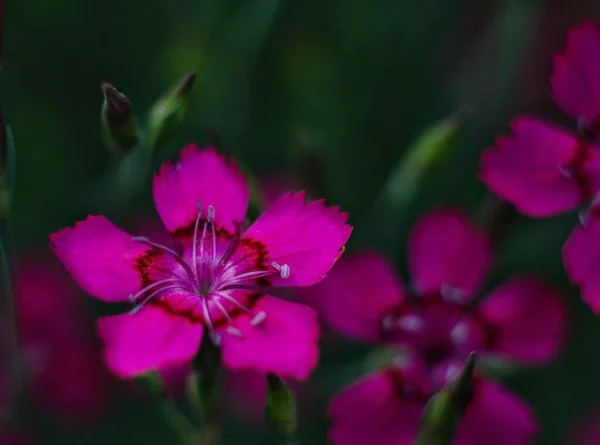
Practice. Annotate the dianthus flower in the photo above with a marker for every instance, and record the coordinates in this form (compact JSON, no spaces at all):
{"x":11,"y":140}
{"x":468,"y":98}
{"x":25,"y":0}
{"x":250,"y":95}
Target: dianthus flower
{"x":215,"y":278}
{"x":543,"y":169}
{"x":433,"y":330}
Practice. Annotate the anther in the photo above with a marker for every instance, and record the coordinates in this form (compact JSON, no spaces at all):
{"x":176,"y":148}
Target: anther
{"x":258,"y":318}
{"x":235,"y":332}
{"x":459,"y":333}
{"x":452,"y":373}
{"x":411,"y":323}
{"x":284,"y":270}
{"x":215,"y":338}
{"x":451,"y":294}
{"x":210,"y":217}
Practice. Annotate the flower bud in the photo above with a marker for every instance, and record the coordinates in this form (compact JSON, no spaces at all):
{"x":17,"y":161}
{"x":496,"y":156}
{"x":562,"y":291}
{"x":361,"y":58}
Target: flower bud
{"x":445,"y":409}
{"x":167,"y":114}
{"x":119,"y":121}
{"x":282,"y":413}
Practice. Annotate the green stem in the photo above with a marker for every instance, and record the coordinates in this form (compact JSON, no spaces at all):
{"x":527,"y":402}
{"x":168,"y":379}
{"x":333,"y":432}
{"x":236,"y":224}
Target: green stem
{"x":188,"y":434}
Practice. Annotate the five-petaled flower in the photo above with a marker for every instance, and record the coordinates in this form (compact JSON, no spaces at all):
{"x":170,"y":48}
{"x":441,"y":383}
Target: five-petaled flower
{"x":434,"y":329}
{"x":545,"y":170}
{"x":214,"y":279}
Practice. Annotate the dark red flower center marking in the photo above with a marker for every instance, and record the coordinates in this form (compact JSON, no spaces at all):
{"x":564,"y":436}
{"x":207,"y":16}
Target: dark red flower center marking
{"x":574,"y":169}
{"x":437,"y":332}
{"x":211,"y":276}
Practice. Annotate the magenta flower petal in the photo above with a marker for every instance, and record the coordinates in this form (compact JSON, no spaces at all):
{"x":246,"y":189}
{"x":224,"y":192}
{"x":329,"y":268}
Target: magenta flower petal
{"x":100,"y":257}
{"x":283,"y":342}
{"x":308,"y":238}
{"x":541,"y":169}
{"x":581,"y":258}
{"x":205,"y":178}
{"x":374,"y":411}
{"x":358,"y":292}
{"x":447,"y":255}
{"x":576,"y":73}
{"x":528,"y":320}
{"x":147,"y":340}
{"x":496,"y":417}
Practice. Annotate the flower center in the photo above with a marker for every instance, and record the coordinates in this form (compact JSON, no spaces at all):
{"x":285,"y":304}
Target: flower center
{"x":440,"y":336}
{"x":212,"y":277}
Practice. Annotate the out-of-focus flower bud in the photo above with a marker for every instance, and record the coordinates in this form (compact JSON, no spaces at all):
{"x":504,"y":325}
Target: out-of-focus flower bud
{"x":445,"y":409}
{"x":119,"y":121}
{"x":282,"y":413}
{"x":429,"y":149}
{"x":167,"y":114}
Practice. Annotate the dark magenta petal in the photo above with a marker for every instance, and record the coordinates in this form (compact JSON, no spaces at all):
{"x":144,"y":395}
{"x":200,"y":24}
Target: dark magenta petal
{"x":576,"y":73}
{"x":307,"y":237}
{"x":201,"y":177}
{"x":496,"y":417}
{"x":447,"y":254}
{"x":373,"y":410}
{"x":528,"y":319}
{"x":353,"y":299}
{"x":540,"y":168}
{"x":150,"y":339}
{"x":285,"y":342}
{"x":581,"y":258}
{"x":100,"y":257}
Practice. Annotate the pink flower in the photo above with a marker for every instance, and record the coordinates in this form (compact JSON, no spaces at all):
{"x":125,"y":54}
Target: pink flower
{"x":63,"y":356}
{"x":434,"y":330}
{"x":581,"y":257}
{"x":213,"y":278}
{"x":542,"y":169}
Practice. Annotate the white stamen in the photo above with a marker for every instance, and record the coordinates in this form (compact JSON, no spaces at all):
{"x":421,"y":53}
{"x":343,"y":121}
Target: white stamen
{"x":284,"y":270}
{"x":210,"y":216}
{"x":459,"y":333}
{"x":235,"y":332}
{"x":452,"y":373}
{"x":195,"y":244}
{"x":215,"y":338}
{"x":411,"y":323}
{"x":582,"y":218}
{"x":451,"y":294}
{"x":258,"y":318}
{"x":402,"y":361}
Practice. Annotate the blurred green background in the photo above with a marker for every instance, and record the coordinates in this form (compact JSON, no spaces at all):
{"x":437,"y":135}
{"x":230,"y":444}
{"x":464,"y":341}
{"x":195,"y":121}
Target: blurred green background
{"x":349,"y":82}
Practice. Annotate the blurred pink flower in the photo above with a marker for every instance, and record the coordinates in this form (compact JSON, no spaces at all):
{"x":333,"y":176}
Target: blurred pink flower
{"x":522,"y":321}
{"x":214,"y":276}
{"x":63,"y":355}
{"x":542,"y":169}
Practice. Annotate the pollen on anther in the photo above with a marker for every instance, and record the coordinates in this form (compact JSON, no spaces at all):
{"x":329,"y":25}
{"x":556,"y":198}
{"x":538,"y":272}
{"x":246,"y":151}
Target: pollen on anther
{"x":258,"y":318}
{"x":235,"y":332}
{"x":284,"y":270}
{"x":210,"y":217}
